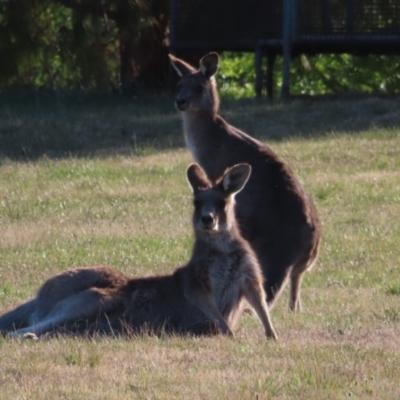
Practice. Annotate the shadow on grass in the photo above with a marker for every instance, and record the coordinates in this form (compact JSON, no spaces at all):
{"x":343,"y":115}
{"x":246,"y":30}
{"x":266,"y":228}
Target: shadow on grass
{"x":58,"y":124}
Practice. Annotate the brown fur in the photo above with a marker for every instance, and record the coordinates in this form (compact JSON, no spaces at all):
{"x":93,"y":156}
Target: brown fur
{"x":274,"y":212}
{"x":203,"y":297}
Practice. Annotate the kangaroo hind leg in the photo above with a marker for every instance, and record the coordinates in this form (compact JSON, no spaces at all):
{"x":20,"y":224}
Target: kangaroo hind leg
{"x":87,"y":304}
{"x":295,"y":285}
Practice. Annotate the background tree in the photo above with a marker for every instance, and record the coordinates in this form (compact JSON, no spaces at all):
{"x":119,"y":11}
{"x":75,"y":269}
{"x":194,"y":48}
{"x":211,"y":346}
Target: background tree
{"x":87,"y":43}
{"x":311,"y":75}
{"x":121,"y":44}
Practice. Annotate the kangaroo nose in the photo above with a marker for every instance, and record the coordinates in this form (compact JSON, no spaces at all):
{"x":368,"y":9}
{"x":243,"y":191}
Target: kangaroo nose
{"x":207,"y":220}
{"x":181,"y":104}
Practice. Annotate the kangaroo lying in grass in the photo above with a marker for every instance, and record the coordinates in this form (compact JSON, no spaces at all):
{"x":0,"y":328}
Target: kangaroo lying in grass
{"x":203,"y":297}
{"x":274,"y":212}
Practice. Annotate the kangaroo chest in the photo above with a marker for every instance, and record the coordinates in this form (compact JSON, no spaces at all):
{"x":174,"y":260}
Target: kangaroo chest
{"x":204,"y":141}
{"x":225,"y":270}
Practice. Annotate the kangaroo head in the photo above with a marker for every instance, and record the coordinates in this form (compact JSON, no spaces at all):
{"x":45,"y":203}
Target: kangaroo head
{"x":197,"y":89}
{"x":214,"y":202}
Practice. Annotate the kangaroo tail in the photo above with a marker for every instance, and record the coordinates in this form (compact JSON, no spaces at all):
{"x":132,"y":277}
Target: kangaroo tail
{"x":17,"y":318}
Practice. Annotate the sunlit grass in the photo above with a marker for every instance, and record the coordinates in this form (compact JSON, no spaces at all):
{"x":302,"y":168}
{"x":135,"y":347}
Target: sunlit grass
{"x":131,"y":209}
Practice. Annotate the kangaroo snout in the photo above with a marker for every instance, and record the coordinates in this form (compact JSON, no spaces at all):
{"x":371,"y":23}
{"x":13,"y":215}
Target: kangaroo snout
{"x":181,"y":104}
{"x":208,"y":222}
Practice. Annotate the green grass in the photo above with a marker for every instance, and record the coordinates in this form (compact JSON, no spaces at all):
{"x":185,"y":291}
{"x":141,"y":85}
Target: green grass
{"x":127,"y":203}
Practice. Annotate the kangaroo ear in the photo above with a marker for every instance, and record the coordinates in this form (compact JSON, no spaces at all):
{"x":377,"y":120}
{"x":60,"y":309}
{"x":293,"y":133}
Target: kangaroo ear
{"x":235,"y":178}
{"x":209,"y":65}
{"x":182,"y":68}
{"x":197,"y":178}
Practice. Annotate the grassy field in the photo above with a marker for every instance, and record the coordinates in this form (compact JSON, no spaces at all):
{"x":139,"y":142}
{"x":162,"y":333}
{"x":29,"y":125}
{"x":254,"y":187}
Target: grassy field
{"x":90,"y":180}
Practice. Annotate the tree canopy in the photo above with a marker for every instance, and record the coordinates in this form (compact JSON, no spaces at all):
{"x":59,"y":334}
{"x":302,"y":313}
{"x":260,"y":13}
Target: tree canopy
{"x":122,"y":45}
{"x":83,"y":43}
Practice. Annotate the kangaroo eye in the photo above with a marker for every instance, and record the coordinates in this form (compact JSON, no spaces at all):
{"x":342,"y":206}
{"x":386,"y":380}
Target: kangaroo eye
{"x":198,"y":89}
{"x":221,"y":204}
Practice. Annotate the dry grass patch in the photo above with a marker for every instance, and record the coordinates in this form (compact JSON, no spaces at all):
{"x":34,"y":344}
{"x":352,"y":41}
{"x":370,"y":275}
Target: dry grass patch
{"x":132,"y":208}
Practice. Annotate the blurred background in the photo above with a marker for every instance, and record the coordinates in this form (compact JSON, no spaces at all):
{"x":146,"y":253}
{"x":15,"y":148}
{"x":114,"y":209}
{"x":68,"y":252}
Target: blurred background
{"x":121,"y":46}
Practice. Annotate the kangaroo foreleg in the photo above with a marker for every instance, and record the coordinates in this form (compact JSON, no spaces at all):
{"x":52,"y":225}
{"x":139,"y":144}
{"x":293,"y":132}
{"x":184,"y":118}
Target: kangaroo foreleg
{"x":255,"y":295}
{"x":206,"y":304}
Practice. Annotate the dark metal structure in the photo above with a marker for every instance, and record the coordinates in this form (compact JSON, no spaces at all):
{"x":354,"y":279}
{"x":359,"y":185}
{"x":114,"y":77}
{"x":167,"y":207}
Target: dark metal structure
{"x":286,"y":27}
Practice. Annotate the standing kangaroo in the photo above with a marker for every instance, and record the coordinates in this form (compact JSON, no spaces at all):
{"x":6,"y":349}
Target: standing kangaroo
{"x":203,"y":297}
{"x":275,"y":214}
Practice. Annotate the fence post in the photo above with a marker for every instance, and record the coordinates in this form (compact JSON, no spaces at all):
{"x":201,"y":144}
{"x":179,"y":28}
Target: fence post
{"x":270,"y":74}
{"x":259,"y":77}
{"x":286,"y":48}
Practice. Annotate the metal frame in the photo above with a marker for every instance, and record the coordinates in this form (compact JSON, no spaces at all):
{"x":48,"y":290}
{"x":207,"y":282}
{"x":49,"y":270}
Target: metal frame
{"x":293,"y":41}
